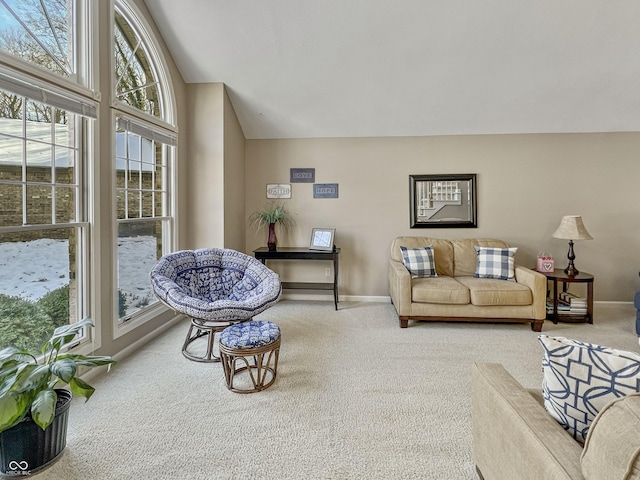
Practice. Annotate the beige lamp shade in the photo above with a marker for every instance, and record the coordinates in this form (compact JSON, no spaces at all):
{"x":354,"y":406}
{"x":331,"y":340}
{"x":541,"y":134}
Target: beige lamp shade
{"x":572,"y":228}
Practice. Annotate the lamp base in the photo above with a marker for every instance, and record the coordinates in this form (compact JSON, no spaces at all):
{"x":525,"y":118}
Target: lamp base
{"x":571,"y":270}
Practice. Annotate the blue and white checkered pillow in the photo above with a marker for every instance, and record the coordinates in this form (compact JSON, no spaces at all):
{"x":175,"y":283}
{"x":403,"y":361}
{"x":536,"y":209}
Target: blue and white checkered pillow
{"x":496,"y":263}
{"x":579,"y":379}
{"x":419,"y":261}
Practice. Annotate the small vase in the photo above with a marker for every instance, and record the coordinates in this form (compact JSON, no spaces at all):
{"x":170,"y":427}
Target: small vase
{"x":272,"y":240}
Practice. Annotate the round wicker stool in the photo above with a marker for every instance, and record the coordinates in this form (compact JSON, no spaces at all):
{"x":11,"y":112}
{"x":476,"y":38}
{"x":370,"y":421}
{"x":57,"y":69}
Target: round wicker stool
{"x":256,"y":346}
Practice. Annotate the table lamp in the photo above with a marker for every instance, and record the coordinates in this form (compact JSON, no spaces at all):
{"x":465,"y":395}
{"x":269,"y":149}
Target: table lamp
{"x":571,"y":228}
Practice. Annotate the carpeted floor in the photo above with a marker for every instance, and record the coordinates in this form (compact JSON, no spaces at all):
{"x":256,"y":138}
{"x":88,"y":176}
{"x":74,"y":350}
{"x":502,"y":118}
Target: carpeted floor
{"x":356,"y":398}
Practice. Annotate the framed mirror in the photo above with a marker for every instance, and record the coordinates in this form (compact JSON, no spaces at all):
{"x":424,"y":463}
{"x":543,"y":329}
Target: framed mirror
{"x":443,"y":201}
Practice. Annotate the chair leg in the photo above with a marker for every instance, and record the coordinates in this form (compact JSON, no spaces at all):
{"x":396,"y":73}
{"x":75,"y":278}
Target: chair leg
{"x":201,"y":331}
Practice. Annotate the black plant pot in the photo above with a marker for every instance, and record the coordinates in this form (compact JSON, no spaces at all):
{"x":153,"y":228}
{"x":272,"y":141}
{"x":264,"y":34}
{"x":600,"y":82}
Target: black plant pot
{"x":26,"y":448}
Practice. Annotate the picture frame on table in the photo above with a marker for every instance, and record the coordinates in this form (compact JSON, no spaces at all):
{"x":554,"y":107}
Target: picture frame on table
{"x":322,"y":239}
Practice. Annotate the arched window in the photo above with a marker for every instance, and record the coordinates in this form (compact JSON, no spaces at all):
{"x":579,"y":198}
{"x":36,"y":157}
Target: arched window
{"x":144,"y":160}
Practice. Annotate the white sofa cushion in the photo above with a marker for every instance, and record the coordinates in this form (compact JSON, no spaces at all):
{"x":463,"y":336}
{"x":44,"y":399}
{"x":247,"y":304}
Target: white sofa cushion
{"x":579,"y":379}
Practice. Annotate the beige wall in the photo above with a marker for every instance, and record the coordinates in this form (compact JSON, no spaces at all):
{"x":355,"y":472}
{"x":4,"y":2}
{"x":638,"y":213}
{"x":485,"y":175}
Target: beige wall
{"x":204,"y":195}
{"x":234,"y":175}
{"x":215,"y":165}
{"x":526,"y":183}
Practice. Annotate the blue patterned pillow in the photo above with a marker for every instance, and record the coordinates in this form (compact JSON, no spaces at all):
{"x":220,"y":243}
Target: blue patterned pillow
{"x":419,"y":261}
{"x":579,"y":379}
{"x":496,"y":263}
{"x":252,"y":334}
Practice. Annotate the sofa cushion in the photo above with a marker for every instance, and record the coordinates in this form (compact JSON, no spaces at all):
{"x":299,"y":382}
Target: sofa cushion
{"x":442,"y":251}
{"x":488,"y":291}
{"x":439,"y":289}
{"x":465,"y":256}
{"x":498,"y":263}
{"x":579,"y":379}
{"x":612,"y":448}
{"x":419,"y":261}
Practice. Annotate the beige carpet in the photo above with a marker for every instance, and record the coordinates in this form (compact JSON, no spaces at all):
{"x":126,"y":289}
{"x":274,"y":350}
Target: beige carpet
{"x":356,"y":398}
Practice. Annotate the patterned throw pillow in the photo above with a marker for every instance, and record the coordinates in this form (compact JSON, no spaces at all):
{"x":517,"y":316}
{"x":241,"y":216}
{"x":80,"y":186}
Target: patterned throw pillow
{"x":496,"y":263}
{"x":419,"y":261}
{"x":579,"y":379}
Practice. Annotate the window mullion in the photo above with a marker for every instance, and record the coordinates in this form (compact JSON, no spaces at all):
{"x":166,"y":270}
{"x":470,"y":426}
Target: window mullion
{"x":53,"y":164}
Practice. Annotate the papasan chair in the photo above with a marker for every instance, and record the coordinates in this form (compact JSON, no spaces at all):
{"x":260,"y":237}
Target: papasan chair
{"x":216,"y":288}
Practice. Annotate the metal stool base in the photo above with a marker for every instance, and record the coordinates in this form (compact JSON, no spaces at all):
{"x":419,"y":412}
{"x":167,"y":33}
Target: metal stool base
{"x":260,"y":363}
{"x":203,"y":328}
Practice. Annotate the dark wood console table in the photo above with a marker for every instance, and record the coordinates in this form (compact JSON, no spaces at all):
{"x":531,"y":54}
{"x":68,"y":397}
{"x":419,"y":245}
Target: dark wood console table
{"x":301,"y":253}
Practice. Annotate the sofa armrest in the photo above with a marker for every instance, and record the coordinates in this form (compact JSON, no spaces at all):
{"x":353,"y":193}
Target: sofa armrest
{"x":537,"y":282}
{"x":400,"y":287}
{"x":513,"y":435}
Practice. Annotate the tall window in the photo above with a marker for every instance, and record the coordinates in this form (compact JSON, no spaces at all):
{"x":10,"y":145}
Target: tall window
{"x":43,"y":159}
{"x":144,"y":156}
{"x":43,"y":229}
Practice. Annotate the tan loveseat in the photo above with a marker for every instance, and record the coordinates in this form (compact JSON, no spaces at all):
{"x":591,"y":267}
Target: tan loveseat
{"x":515,"y":438}
{"x":455,"y":294}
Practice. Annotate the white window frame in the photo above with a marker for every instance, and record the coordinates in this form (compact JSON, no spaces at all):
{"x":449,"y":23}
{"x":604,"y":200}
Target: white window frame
{"x":166,"y":129}
{"x":85,"y":109}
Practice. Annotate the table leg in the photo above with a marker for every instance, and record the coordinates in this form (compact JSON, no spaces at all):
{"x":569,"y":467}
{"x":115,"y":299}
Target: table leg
{"x":335,"y":280}
{"x":590,"y":301}
{"x":555,"y":301}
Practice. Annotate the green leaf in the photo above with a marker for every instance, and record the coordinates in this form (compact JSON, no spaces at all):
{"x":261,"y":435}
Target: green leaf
{"x":31,"y":377}
{"x":80,"y":388}
{"x":43,"y":407}
{"x":8,"y":353}
{"x":65,"y":334}
{"x":64,"y":368}
{"x":13,"y":408}
{"x":88,"y":361}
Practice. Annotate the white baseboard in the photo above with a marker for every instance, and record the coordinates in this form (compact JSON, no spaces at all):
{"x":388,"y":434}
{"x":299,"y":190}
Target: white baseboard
{"x":341,"y":298}
{"x":387,"y":299}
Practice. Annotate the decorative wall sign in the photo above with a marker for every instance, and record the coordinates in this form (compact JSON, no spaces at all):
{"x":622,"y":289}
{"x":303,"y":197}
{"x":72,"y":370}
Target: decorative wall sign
{"x":278,"y":190}
{"x":325,"y":190}
{"x":443,"y":201}
{"x":302,"y":175}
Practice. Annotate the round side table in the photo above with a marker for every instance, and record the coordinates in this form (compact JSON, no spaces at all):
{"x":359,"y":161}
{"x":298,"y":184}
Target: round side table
{"x":558,"y":275}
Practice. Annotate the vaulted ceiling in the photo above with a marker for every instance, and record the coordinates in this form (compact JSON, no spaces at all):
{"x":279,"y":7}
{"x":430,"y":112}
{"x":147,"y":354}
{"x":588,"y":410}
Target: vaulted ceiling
{"x":366,"y":68}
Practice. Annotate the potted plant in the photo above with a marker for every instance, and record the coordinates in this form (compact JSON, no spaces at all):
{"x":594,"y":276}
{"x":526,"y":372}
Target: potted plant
{"x":33,"y":412}
{"x":273,"y":213}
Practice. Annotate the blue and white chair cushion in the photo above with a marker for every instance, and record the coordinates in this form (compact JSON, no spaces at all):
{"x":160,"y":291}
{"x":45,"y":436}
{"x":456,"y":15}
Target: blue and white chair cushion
{"x":419,"y":261}
{"x":250,"y":335}
{"x":496,"y":263}
{"x":579,"y":379}
{"x":215,"y":284}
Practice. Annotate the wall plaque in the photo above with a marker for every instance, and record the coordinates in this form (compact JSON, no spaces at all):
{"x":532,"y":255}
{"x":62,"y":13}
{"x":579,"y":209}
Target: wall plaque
{"x":302,"y":175}
{"x":325,"y":190}
{"x":278,"y":190}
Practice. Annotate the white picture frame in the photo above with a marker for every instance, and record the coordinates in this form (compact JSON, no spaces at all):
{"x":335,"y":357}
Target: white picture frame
{"x":322,"y":239}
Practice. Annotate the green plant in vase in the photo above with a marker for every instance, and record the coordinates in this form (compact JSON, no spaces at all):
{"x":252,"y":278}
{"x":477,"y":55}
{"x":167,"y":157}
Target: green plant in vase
{"x":32,"y":399}
{"x":272,"y":214}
